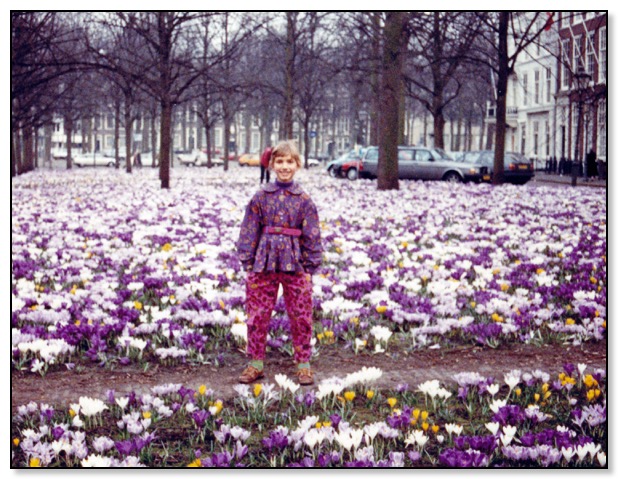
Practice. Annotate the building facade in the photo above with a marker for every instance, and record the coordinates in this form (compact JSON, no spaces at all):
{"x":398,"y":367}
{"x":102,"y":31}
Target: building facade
{"x":545,"y":94}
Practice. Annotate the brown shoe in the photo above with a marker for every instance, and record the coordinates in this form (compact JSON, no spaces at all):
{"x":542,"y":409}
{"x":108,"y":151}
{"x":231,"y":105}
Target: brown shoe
{"x":305,"y":376}
{"x":250,"y":374}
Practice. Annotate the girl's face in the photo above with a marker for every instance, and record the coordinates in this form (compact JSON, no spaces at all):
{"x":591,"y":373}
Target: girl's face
{"x":285,"y":168}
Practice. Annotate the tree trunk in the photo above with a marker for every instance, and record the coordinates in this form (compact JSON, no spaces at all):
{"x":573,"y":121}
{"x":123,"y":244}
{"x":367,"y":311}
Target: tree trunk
{"x":166,"y":143}
{"x":392,"y":65}
{"x":503,"y":76}
{"x":153,"y":138}
{"x":27,"y":158}
{"x":290,"y":52}
{"x":117,"y":132}
{"x":128,"y":123}
{"x":68,"y":128}
{"x":374,"y":131}
{"x":14,"y":168}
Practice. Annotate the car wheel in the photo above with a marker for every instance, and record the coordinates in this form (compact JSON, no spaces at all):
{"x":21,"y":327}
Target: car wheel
{"x":191,"y":164}
{"x":111,"y":163}
{"x":452,"y":177}
{"x":352,"y":174}
{"x":331,"y":172}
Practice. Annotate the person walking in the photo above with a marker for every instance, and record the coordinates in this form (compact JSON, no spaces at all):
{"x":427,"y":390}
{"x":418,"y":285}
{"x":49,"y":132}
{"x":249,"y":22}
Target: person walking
{"x":279,"y":243}
{"x":591,"y":164}
{"x":264,"y":165}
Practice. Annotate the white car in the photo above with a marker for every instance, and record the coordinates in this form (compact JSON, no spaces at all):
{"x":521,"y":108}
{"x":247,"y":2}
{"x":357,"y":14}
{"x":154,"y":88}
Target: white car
{"x":197,"y":158}
{"x":93,"y":159}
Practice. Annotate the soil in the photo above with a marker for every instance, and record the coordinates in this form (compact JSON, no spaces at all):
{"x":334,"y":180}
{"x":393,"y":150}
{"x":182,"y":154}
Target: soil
{"x":61,"y":387}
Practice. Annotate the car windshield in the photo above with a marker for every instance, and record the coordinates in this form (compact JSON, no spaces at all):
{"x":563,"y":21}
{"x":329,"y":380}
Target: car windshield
{"x":471,"y":157}
{"x":440,"y":153}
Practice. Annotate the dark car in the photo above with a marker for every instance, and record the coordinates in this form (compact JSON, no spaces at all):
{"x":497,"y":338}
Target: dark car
{"x":422,"y":163}
{"x":517,"y":169}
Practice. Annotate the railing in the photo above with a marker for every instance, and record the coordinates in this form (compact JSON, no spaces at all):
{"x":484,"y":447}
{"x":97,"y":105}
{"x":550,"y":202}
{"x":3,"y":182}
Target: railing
{"x":510,"y":111}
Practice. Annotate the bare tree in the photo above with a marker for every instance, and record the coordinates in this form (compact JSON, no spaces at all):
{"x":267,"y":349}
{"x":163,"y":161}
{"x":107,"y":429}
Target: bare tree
{"x":525,"y":29}
{"x":395,"y":41}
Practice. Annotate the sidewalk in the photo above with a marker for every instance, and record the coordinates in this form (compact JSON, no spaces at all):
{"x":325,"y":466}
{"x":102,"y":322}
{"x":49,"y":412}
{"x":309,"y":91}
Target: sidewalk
{"x":541,"y":177}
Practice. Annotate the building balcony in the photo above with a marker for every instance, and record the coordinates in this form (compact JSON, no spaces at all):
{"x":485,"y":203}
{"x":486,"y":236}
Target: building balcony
{"x":511,"y":115}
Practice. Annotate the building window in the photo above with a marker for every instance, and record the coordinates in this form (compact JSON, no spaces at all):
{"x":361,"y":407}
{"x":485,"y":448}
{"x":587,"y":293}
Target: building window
{"x":590,"y":64}
{"x":218,"y":140}
{"x":565,"y":64}
{"x":603,"y":54}
{"x":602,"y":129}
{"x":523,"y":139}
{"x":547,"y":138}
{"x":535,"y":139}
{"x":578,"y":51}
{"x":537,"y":87}
{"x":548,"y":85}
{"x":525,"y":88}
{"x":255,"y":142}
{"x":110,"y":121}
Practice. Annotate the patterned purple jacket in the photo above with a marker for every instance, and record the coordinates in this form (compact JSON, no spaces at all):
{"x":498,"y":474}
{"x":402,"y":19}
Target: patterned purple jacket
{"x":289,"y":207}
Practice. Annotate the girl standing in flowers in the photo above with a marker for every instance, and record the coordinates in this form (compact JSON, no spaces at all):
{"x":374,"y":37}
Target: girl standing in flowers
{"x":279,"y":243}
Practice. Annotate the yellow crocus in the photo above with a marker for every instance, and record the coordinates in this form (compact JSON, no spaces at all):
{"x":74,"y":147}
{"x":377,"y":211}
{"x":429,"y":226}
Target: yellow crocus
{"x":35,"y":462}
{"x":435,"y":428}
{"x":202,"y":389}
{"x":425,"y":426}
{"x":570,"y":322}
{"x":381,"y":309}
{"x":349,"y":395}
{"x":196,"y":463}
{"x":257,"y":389}
{"x":391,"y":402}
{"x":370,"y":394}
{"x":16,"y":441}
{"x":416,"y":413}
{"x":537,"y":396}
{"x":138,"y":305}
{"x":424,"y":415}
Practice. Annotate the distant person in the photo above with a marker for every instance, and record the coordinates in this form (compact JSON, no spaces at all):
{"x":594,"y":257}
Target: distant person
{"x":591,"y":164}
{"x":264,"y":165}
{"x":137,"y":159}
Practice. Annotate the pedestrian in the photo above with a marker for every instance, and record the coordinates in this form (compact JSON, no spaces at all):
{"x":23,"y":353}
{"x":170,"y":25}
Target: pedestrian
{"x":137,"y":159}
{"x":279,"y":243}
{"x":264,"y":165}
{"x":591,"y":164}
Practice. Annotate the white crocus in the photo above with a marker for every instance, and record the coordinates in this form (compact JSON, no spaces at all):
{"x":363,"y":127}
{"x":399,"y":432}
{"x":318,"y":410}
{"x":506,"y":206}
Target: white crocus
{"x":493,"y":427}
{"x":493,"y":389}
{"x":90,"y":406}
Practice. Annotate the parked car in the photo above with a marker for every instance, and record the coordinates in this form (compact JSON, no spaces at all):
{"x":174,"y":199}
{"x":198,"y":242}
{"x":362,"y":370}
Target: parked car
{"x":197,"y":158}
{"x":93,"y":159}
{"x":334,"y":167}
{"x":517,"y":169}
{"x":249,"y":159}
{"x":420,"y":163}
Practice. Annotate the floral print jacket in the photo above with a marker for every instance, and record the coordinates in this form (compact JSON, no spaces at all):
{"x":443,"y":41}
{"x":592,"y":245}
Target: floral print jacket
{"x":288,"y":206}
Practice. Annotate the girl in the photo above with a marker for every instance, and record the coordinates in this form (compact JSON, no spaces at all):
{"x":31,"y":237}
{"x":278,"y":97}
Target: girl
{"x":280,"y":243}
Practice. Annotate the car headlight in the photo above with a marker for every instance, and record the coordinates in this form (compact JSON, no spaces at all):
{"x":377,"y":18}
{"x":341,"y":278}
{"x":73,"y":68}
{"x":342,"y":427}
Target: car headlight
{"x":472,"y":171}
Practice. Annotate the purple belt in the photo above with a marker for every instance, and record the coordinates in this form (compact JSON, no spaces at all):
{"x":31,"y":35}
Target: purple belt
{"x":279,"y":230}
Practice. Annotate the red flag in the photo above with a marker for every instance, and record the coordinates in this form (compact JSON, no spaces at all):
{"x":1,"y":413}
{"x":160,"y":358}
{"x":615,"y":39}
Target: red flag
{"x":550,"y":21}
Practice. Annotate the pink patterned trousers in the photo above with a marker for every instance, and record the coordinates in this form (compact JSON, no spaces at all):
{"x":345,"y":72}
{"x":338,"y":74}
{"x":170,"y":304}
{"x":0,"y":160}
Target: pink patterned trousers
{"x":261,"y":297}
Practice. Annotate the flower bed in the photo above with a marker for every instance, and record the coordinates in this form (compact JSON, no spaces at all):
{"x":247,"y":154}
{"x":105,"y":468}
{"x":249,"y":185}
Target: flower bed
{"x":526,"y":420}
{"x":110,"y":269}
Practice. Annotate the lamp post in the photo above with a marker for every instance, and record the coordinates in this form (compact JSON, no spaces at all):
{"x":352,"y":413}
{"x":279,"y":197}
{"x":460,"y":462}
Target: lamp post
{"x":581,"y":82}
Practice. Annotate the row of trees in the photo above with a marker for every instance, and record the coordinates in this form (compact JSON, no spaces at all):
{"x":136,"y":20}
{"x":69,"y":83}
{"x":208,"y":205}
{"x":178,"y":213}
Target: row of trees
{"x":291,"y":66}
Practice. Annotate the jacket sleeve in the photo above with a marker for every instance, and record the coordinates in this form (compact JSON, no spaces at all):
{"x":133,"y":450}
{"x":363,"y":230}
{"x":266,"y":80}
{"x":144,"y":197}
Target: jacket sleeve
{"x":310,"y":240}
{"x":250,"y":231}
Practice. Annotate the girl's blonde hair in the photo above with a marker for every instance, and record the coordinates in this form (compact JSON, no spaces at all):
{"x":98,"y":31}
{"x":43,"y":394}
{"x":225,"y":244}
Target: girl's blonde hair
{"x":285,"y":148}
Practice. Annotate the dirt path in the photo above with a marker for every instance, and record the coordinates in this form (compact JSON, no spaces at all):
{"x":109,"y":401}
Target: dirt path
{"x":63,"y":387}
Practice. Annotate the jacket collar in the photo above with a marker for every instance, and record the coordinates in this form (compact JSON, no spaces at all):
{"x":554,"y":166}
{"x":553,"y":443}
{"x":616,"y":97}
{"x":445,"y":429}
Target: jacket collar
{"x":295,"y":189}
